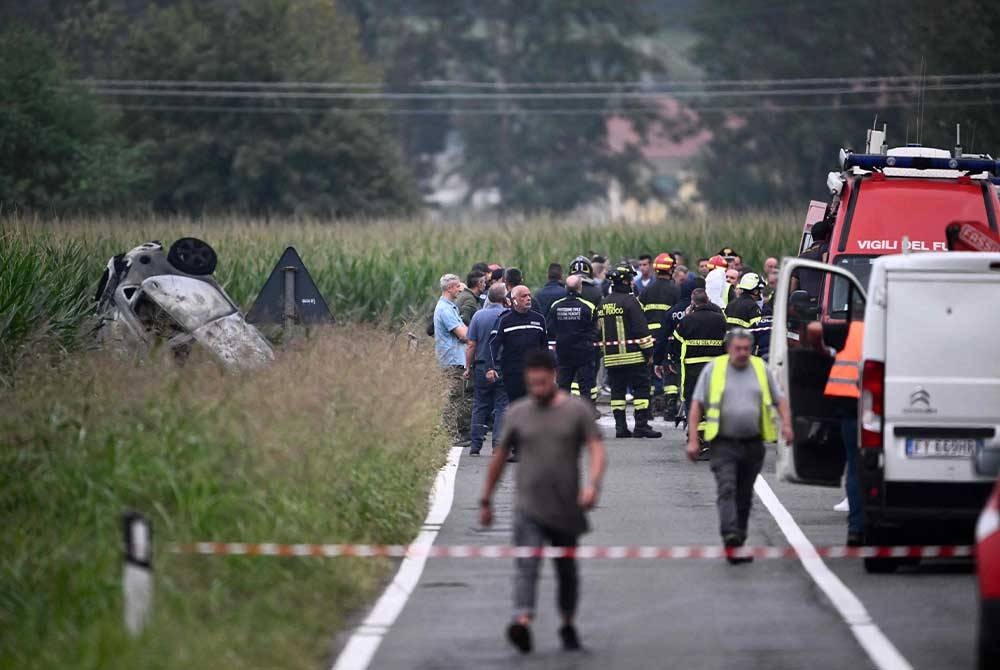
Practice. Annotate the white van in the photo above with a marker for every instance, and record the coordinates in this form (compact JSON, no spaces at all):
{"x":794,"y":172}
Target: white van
{"x":930,"y":390}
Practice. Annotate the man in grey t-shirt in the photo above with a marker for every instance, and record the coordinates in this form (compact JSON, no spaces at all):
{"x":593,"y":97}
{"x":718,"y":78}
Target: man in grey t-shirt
{"x":549,"y":428}
{"x":737,"y":449}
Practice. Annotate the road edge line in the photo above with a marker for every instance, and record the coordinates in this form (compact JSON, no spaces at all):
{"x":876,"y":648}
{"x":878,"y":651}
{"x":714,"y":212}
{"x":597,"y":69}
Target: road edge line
{"x":871,"y":638}
{"x":360,"y":649}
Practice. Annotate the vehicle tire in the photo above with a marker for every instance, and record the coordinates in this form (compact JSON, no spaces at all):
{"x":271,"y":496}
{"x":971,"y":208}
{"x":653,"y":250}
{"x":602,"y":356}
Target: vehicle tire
{"x":881,"y":566}
{"x":988,"y":640}
{"x":192,"y":256}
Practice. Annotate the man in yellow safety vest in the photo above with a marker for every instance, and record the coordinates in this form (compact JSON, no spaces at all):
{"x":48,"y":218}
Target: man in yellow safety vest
{"x":736,"y":397}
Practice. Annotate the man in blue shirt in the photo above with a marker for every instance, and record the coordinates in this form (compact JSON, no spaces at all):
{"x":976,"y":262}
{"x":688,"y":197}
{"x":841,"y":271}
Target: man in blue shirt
{"x":489,"y":397}
{"x":449,"y":339}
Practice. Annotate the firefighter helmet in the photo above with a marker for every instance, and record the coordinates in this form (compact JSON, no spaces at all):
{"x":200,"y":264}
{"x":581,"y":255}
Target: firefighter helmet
{"x":623,"y":274}
{"x":663,"y":263}
{"x":717,"y":261}
{"x":581,"y":266}
{"x":749,"y":282}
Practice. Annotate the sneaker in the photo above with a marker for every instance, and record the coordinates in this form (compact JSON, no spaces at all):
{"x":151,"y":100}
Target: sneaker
{"x":512,"y":458}
{"x":570,"y":639}
{"x":855,"y":539}
{"x":474,"y":452}
{"x":519,"y":635}
{"x":842,"y":506}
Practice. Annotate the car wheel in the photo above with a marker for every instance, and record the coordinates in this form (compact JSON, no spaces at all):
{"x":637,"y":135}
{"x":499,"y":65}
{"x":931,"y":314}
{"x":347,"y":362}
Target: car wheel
{"x":881,"y":566}
{"x":192,"y":256}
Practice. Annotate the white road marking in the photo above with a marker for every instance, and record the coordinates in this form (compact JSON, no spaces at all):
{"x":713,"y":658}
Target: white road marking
{"x":878,"y":647}
{"x":360,"y":649}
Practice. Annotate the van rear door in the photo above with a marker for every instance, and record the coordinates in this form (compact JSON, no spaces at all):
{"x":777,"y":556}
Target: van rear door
{"x":816,"y":455}
{"x":942,"y":371}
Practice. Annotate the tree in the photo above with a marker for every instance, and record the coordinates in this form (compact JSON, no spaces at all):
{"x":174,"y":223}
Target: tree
{"x":537,"y":153}
{"x":58,"y":148}
{"x":774,"y":150}
{"x":260,"y":154}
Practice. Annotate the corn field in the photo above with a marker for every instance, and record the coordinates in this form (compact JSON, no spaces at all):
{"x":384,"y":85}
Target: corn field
{"x":383,"y":271}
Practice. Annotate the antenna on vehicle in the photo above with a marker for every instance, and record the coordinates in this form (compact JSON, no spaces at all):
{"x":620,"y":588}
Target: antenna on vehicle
{"x":920,"y":104}
{"x":958,"y":141}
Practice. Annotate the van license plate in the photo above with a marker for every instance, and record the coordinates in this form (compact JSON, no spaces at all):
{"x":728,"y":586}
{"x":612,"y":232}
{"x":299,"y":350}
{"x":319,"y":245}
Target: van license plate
{"x":941,"y":447}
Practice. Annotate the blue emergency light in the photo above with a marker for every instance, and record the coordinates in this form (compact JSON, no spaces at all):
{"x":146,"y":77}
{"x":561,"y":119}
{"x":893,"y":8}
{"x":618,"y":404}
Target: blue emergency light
{"x":880,"y":162}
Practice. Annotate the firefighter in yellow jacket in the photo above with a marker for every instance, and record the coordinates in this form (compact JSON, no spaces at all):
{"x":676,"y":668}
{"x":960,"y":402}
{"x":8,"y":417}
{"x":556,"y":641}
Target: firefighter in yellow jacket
{"x":628,"y":348}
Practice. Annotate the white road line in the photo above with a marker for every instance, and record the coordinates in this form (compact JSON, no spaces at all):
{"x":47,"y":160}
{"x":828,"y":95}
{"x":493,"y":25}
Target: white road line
{"x":360,"y":649}
{"x":878,"y":647}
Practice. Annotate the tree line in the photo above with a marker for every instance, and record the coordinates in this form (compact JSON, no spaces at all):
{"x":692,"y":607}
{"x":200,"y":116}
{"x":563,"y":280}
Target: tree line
{"x":493,"y":79}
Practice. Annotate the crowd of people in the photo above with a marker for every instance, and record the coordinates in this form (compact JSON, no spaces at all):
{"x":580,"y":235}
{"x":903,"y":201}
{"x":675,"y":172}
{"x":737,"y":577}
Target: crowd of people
{"x":674,"y":340}
{"x":640,"y":330}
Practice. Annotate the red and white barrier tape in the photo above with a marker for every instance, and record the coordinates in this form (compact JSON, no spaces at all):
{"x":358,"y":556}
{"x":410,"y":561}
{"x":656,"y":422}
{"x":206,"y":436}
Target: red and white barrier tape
{"x":583,"y":552}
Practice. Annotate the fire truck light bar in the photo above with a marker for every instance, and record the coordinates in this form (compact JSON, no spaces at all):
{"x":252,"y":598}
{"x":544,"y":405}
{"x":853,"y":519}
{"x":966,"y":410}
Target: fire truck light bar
{"x":879,"y":162}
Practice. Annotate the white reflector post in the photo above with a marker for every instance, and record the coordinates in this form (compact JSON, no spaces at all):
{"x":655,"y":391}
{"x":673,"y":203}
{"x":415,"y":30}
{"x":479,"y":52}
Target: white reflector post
{"x":137,"y":577}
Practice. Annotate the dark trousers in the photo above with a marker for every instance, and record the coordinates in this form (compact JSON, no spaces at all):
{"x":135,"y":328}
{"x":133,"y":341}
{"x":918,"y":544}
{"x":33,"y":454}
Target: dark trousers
{"x":513,"y":381}
{"x":530,"y":533}
{"x":458,"y":413}
{"x":849,"y":432}
{"x":487,"y":400}
{"x":623,"y":377}
{"x":689,"y":379}
{"x":582,"y":372}
{"x":736,"y":464}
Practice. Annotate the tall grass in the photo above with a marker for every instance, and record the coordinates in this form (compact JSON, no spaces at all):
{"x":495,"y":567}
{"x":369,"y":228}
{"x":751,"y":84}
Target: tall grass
{"x":324,"y":445}
{"x":372,"y":271}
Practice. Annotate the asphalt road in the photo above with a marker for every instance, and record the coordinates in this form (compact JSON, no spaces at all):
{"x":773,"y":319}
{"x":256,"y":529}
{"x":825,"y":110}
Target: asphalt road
{"x":680,"y":613}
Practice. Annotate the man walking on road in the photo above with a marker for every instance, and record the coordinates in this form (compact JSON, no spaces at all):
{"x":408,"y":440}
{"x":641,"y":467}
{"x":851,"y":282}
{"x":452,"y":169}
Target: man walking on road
{"x":489,"y":397}
{"x":549,"y":428}
{"x":737,"y":397}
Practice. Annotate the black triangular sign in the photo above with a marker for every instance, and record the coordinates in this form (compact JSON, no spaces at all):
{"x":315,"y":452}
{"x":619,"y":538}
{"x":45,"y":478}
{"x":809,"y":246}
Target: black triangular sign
{"x":310,"y":306}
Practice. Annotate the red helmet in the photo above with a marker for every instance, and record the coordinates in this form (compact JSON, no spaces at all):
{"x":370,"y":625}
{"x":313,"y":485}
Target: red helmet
{"x":717,"y":261}
{"x":663,"y":263}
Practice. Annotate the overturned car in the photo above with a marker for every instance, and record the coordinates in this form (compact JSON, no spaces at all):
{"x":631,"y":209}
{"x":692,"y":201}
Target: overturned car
{"x":147,"y":298}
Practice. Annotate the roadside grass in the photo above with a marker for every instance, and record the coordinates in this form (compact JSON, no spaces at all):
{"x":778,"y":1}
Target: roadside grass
{"x":376,"y":271}
{"x":337,"y":441}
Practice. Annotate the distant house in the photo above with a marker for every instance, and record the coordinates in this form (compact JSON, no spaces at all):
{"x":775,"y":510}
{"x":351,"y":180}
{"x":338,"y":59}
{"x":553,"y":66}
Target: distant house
{"x":669,"y":173}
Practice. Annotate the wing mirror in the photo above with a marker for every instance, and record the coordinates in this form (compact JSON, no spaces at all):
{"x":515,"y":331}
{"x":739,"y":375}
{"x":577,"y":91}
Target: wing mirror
{"x":802,"y":306}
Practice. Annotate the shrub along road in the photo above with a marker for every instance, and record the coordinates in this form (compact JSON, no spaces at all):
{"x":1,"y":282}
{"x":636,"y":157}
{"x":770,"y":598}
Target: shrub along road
{"x":681,"y":613}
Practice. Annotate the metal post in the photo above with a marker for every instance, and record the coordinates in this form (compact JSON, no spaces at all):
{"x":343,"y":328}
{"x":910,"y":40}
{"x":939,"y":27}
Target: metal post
{"x":289,"y":311}
{"x":137,"y":577}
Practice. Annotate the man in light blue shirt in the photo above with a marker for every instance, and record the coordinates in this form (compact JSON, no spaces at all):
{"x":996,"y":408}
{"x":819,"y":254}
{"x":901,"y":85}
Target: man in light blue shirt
{"x":449,"y":345}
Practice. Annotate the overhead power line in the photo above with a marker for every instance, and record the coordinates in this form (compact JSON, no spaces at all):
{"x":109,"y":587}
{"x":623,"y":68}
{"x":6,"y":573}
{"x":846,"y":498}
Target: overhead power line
{"x":557,"y":96}
{"x":552,"y":111}
{"x":649,"y":86}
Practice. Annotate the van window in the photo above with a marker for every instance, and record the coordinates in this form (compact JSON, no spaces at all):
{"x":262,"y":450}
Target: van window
{"x":890,"y":209}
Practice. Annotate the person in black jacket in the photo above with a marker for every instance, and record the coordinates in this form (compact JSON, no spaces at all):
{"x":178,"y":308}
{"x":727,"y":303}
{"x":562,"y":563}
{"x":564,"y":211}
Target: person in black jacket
{"x":744,"y":312}
{"x":572,"y":328}
{"x":627,"y":347}
{"x":698,"y":338}
{"x":553,"y":290}
{"x":519,"y":330}
{"x":657,"y":301}
{"x":591,"y":291}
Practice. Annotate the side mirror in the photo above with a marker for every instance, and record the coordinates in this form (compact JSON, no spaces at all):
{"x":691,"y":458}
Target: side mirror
{"x":986,"y":461}
{"x":802,"y":306}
